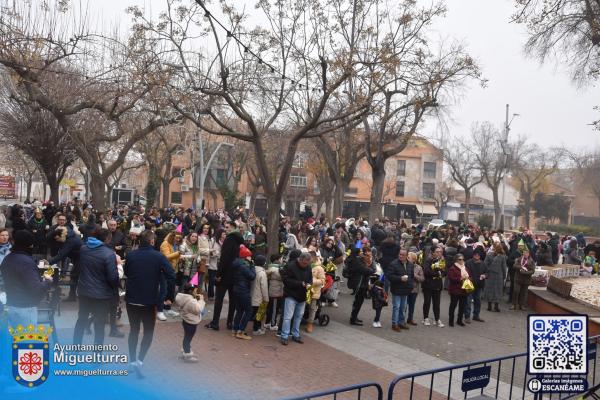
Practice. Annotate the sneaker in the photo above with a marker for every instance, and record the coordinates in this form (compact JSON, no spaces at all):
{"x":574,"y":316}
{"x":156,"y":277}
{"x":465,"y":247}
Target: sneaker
{"x":375,"y":325}
{"x":258,"y":332}
{"x":274,"y":327}
{"x":278,"y":334}
{"x":284,"y":342}
{"x":190,"y":357}
{"x":267,"y":327}
{"x":243,"y":336}
{"x":379,"y":324}
{"x":297,"y":339}
{"x":427,"y":322}
{"x":172,"y":313}
{"x":161,"y":316}
{"x":439,"y":323}
{"x":334,"y":304}
{"x":467,"y":320}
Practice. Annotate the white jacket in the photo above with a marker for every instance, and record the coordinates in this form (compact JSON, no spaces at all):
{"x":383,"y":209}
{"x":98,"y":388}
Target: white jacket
{"x":260,"y":287}
{"x":190,"y":308}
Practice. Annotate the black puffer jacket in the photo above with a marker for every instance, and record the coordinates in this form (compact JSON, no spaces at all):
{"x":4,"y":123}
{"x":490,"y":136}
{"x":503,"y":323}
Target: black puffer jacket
{"x":433,"y":275}
{"x":389,"y":253}
{"x":293,"y":276}
{"x":359,"y":273}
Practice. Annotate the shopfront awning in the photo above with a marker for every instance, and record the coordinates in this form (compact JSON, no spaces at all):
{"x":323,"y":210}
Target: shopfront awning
{"x":427,"y":209}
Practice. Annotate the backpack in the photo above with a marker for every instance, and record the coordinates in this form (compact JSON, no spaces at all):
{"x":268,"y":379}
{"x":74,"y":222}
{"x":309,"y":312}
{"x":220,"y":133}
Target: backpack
{"x":346,"y":272}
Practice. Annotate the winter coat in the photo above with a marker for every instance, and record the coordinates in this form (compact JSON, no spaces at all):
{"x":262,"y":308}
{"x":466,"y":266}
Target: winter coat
{"x":145,"y":268}
{"x":39,"y":231}
{"x":190,"y":309}
{"x":495,"y":272}
{"x":455,"y":281}
{"x":378,"y":235}
{"x":389,"y":253}
{"x":204,"y":248}
{"x":275,"y":282}
{"x":243,"y":275}
{"x":318,"y":281}
{"x":523,"y":277}
{"x":260,"y":287}
{"x":476,"y":269}
{"x":359,"y":273}
{"x":215,"y":247}
{"x":70,"y":248}
{"x":168,"y":250}
{"x":378,"y":297}
{"x":433,"y":275}
{"x":4,"y":251}
{"x":190,"y":254}
{"x":117,"y":239}
{"x":98,"y":274}
{"x":260,"y":244}
{"x":573,"y":257}
{"x":22,"y":282}
{"x":229,"y":253}
{"x":419,"y":278}
{"x":396,"y":270}
{"x":293,"y":276}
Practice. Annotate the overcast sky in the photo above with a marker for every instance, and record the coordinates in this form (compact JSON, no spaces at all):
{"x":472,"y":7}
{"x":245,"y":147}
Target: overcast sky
{"x":553,"y":111}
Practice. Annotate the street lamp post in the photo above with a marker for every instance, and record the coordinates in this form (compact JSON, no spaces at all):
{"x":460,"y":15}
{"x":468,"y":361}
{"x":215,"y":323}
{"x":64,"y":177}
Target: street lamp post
{"x":205,"y":168}
{"x":506,"y":154}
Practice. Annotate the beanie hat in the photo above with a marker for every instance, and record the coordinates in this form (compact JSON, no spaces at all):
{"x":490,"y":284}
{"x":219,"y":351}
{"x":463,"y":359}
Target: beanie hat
{"x":260,"y":260}
{"x":244,"y":252}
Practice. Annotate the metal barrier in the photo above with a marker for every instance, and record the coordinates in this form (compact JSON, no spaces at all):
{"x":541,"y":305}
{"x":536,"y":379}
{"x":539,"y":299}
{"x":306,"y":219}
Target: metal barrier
{"x":359,"y":389}
{"x":503,"y":385}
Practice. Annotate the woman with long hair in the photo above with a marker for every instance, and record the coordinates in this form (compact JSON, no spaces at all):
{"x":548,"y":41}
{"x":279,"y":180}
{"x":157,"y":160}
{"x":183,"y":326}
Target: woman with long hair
{"x":216,"y":242}
{"x":190,"y":255}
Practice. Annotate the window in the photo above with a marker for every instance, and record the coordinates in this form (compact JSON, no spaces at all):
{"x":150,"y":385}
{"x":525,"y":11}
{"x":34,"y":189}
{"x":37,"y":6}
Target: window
{"x":316,"y":189}
{"x":176,"y":197}
{"x":429,"y":190}
{"x":221,"y":176}
{"x":400,"y":188}
{"x":401,"y":171}
{"x":298,"y":180}
{"x":429,"y":169}
{"x":299,"y":160}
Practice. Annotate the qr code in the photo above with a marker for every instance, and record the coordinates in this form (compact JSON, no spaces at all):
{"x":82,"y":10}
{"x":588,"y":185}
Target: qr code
{"x":557,"y":344}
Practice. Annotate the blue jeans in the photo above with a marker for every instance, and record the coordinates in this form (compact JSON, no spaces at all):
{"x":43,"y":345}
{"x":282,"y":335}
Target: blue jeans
{"x":292,"y":309}
{"x":475,"y":297}
{"x":21,"y":316}
{"x":412,"y":299}
{"x":243,"y":312}
{"x":398,"y":306}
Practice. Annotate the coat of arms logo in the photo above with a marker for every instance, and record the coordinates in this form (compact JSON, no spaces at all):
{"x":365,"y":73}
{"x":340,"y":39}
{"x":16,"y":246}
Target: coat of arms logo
{"x":30,"y":354}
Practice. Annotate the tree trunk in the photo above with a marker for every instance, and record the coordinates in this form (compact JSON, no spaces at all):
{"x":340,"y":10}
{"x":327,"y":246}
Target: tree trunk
{"x":253,"y":200}
{"x":152,"y":189}
{"x":98,"y":189}
{"x":273,"y":205}
{"x":53,"y":183}
{"x":45,"y":190}
{"x":329,"y":210}
{"x":29,"y":182}
{"x":527,"y":210}
{"x":166,"y":183}
{"x":378,"y":177}
{"x":497,"y":208}
{"x":467,"y":205}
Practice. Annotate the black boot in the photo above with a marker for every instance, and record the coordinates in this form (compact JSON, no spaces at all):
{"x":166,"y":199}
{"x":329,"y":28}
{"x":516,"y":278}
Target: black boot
{"x":451,"y":320}
{"x":489,"y":306}
{"x":460,"y":322}
{"x":496,"y":308}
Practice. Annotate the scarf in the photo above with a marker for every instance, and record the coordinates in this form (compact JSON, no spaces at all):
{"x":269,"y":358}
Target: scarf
{"x":463,"y":271}
{"x":524,"y":262}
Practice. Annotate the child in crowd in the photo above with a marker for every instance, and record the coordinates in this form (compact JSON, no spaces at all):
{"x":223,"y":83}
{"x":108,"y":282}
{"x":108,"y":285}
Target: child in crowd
{"x":379,"y":299}
{"x":590,"y":264}
{"x":260,"y":293}
{"x":244,"y":274}
{"x":275,"y":307}
{"x":191,"y":304}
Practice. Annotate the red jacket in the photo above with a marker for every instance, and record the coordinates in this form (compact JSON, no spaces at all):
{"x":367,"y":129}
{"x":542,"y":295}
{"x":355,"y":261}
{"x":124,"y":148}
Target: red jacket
{"x":455,"y":285}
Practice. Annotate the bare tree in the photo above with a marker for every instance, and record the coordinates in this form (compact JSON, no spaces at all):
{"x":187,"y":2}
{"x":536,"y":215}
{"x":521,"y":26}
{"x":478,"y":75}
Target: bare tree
{"x":463,"y":169}
{"x":410,"y":80}
{"x":492,"y":160}
{"x":587,"y":166}
{"x":258,"y":83}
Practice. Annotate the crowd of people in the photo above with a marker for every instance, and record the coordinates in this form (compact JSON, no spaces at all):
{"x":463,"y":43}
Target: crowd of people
{"x":171,"y":262}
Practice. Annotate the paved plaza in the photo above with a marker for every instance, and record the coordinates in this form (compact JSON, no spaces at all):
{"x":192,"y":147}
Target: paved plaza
{"x":336,"y":355}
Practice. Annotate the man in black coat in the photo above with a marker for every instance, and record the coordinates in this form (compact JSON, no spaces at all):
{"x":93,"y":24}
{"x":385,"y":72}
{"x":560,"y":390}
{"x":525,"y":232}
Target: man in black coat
{"x":71,"y":244}
{"x":296,"y":277}
{"x":224,"y":278}
{"x":117,"y":239}
{"x":22,"y":282}
{"x":401,"y":274}
{"x":476,"y":268}
{"x":98,"y":283}
{"x":359,"y":282}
